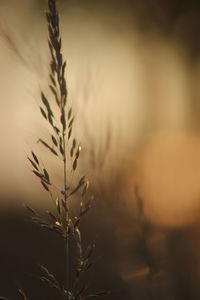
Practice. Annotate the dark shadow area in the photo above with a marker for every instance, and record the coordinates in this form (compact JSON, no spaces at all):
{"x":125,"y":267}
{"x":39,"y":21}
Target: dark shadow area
{"x":132,"y":259}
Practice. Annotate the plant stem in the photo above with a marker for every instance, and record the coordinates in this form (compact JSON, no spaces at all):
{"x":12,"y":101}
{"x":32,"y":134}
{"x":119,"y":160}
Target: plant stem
{"x":66,"y":216}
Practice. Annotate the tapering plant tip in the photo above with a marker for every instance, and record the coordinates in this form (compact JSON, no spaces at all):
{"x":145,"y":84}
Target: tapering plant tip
{"x":82,"y":179}
{"x":69,"y":133}
{"x":71,"y":122}
{"x":44,"y":269}
{"x":58,"y":206}
{"x":33,"y":164}
{"x":52,"y":5}
{"x":43,"y":113}
{"x":74,"y":143}
{"x":46,"y":175}
{"x":85,"y":188}
{"x":69,"y":113}
{"x":54,"y":140}
{"x":48,"y":147}
{"x":38,"y":174}
{"x":78,"y":151}
{"x":30,"y":209}
{"x":75,"y":164}
{"x":52,"y":216}
{"x":63,"y":69}
{"x":62,"y":119}
{"x":35,"y":157}
{"x":44,"y":186}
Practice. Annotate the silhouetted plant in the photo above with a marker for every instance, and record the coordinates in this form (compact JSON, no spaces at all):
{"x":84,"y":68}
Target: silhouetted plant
{"x":65,"y":147}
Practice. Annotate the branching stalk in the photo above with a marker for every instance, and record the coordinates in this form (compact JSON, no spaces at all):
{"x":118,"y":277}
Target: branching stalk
{"x":62,"y":222}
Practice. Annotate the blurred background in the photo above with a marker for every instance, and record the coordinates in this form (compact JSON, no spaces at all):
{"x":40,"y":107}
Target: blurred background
{"x":133,"y":78}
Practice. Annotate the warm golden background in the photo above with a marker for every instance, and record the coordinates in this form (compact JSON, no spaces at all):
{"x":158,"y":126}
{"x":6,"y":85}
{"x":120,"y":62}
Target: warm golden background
{"x":133,"y":78}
